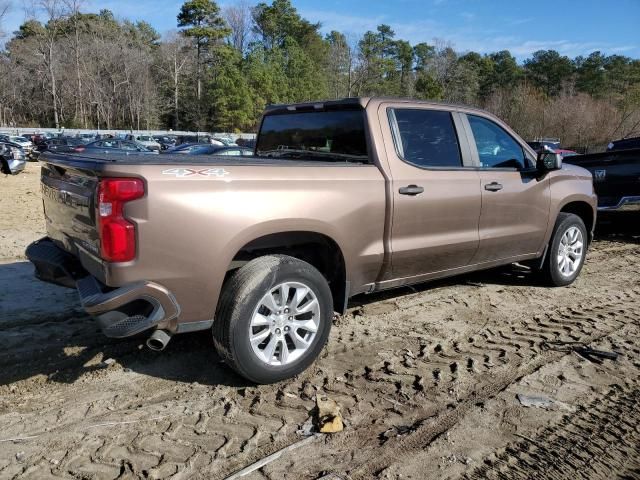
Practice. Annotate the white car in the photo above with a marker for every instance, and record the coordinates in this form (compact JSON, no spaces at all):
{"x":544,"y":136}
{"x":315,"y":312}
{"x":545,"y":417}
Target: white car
{"x":146,"y":140}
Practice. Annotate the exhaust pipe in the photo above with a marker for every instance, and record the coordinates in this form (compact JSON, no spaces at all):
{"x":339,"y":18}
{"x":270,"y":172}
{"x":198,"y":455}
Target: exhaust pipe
{"x":158,"y":340}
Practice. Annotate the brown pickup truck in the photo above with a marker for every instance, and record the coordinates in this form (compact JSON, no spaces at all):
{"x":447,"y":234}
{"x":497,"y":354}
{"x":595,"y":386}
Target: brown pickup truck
{"x":342,"y":198}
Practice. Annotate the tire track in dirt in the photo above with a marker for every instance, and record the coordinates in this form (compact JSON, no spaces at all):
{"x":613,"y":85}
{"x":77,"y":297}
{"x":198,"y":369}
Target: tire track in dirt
{"x":601,"y":440}
{"x":426,"y":381}
{"x":515,"y":353}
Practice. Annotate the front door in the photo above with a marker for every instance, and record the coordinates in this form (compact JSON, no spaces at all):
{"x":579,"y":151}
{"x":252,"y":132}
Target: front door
{"x":436,"y":195}
{"x":515,"y":199}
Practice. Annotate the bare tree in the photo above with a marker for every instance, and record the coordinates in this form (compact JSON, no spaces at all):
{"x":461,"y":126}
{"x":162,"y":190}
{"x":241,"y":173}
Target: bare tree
{"x":173,"y":61}
{"x":239,"y":17}
{"x":46,"y":39}
{"x":73,"y":7}
{"x":5,"y":7}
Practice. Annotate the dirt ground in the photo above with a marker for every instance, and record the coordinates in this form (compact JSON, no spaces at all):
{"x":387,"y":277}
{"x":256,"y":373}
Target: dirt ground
{"x":428,"y":380}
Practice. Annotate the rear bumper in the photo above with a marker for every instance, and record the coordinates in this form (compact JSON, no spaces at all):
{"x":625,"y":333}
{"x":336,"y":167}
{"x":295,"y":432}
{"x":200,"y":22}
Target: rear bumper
{"x":12,"y":166}
{"x":625,"y":204}
{"x":120,"y":312}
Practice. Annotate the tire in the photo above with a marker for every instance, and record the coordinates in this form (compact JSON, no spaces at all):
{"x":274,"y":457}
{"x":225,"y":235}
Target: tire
{"x":554,"y":272}
{"x":243,"y":313}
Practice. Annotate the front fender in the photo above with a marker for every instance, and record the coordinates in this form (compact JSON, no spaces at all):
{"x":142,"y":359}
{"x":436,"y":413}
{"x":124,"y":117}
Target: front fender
{"x":570,"y":187}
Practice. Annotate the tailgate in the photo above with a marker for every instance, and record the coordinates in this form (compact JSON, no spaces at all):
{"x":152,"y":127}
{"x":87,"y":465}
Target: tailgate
{"x":69,"y":196}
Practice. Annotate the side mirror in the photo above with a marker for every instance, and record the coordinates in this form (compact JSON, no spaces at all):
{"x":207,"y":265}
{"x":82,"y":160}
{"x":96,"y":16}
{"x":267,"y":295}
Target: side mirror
{"x":548,"y":161}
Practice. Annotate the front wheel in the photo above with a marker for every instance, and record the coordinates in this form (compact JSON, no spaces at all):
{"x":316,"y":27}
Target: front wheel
{"x":567,"y":251}
{"x":273,"y":318}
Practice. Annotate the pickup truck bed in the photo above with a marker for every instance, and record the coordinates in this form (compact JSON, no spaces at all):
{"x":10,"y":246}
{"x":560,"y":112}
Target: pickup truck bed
{"x":95,"y":160}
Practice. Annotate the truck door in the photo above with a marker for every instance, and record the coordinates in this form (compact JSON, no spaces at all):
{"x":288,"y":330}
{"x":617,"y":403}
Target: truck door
{"x":435,"y":191}
{"x":515,"y":199}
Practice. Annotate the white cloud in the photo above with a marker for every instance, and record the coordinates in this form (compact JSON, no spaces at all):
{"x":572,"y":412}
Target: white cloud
{"x":464,"y":38}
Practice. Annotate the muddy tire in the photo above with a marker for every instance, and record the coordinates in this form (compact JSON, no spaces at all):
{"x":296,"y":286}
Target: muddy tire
{"x":273,"y":318}
{"x":567,"y":251}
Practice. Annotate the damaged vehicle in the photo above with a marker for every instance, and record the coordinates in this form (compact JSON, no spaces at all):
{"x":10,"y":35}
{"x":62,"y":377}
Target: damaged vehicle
{"x":12,"y":158}
{"x":342,"y":198}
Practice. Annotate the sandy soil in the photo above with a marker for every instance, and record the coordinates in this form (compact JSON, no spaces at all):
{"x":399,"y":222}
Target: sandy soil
{"x":427,"y":379}
{"x":21,"y":219}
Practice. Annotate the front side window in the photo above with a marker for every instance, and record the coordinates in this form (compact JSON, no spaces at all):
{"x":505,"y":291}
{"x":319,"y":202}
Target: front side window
{"x":426,"y":138}
{"x":496,"y":148}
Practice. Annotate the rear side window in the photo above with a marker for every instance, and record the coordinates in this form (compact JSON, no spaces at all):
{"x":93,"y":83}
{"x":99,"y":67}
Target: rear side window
{"x":426,"y":138}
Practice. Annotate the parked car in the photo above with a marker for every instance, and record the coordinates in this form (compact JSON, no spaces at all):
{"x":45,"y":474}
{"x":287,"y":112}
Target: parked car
{"x":539,"y":146}
{"x":26,"y":145}
{"x":184,"y":139}
{"x":61,"y":144}
{"x":146,"y":140}
{"x":565,"y":153}
{"x":616,"y":178}
{"x":114,"y":146}
{"x":166,"y":142}
{"x":12,"y":159}
{"x":343,"y":198}
{"x":86,"y":137}
{"x":624,"y":144}
{"x":226,"y":141}
{"x":201,"y":149}
{"x":246,"y":142}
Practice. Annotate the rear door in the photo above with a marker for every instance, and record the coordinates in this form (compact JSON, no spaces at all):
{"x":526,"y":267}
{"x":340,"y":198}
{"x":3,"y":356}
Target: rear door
{"x":435,"y":190}
{"x":515,"y":198}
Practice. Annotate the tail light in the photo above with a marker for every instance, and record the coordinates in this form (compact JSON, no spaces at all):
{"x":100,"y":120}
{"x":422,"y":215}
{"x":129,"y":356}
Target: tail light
{"x":117,"y":234}
{"x":78,"y":149}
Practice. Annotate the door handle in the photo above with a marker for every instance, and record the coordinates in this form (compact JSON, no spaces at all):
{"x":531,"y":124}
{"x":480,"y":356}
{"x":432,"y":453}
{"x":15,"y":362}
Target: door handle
{"x":493,"y":186}
{"x":411,"y":190}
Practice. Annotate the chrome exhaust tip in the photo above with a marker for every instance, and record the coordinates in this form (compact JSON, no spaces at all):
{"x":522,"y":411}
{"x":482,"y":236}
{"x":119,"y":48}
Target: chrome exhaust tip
{"x":158,"y":340}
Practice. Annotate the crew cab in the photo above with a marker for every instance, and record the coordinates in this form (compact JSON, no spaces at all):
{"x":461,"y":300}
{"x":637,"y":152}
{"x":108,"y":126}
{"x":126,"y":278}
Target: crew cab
{"x":341,"y":198}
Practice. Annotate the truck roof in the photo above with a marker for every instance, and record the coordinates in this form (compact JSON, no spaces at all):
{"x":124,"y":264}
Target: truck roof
{"x":355,"y":102}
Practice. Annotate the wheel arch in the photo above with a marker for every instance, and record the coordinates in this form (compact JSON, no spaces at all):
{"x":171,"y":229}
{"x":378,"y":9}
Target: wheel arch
{"x":315,"y":248}
{"x":584,"y":210}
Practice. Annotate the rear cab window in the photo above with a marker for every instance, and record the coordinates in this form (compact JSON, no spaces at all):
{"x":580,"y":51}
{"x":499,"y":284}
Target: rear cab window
{"x":327,"y":135}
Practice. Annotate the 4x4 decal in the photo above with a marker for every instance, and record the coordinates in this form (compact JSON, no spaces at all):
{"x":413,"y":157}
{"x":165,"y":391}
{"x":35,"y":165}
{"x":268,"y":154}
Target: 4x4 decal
{"x":188,"y":172}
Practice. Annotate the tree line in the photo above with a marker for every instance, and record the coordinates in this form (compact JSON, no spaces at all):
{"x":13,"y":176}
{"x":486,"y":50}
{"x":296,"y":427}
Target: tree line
{"x":220,"y":67}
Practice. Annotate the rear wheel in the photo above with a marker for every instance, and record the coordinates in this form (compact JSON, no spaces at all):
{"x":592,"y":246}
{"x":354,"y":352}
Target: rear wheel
{"x":273,"y":319}
{"x":566,"y":252}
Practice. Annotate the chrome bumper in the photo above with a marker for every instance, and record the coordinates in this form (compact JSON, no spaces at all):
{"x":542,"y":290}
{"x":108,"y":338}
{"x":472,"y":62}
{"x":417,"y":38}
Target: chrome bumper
{"x":626,"y":204}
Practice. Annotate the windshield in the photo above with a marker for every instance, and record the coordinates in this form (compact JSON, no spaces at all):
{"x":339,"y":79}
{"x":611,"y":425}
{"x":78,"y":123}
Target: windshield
{"x":324,"y":135}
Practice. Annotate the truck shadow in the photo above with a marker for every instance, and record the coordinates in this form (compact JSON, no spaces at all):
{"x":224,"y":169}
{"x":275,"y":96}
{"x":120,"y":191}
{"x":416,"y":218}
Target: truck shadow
{"x":43,"y":332}
{"x":618,"y":227}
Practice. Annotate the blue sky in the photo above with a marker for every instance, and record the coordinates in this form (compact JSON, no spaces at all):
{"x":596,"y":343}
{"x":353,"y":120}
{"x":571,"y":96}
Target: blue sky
{"x":571,"y":27}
